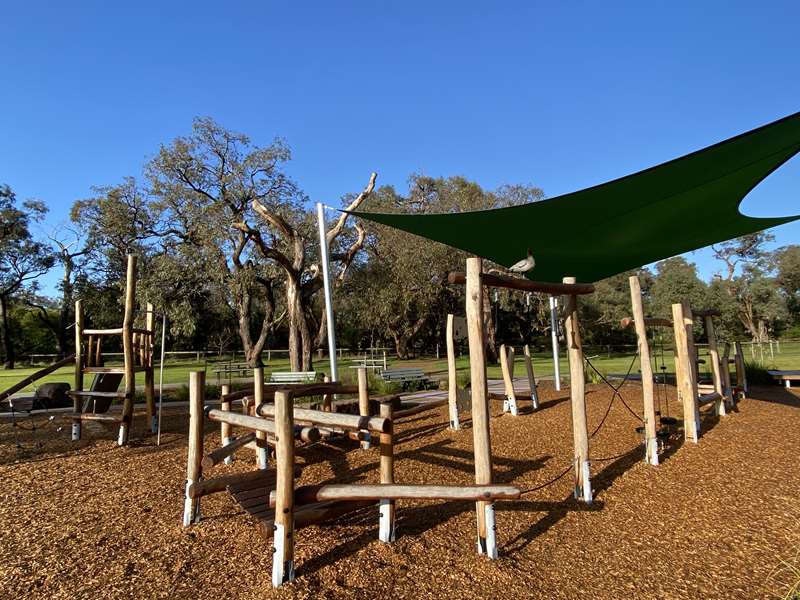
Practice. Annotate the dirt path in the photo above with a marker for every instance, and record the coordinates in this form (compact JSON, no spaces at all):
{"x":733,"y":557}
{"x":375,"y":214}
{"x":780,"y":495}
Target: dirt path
{"x":713,"y":521}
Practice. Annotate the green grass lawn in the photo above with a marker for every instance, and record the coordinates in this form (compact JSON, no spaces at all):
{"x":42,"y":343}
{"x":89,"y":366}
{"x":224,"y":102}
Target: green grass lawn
{"x":177,"y":371}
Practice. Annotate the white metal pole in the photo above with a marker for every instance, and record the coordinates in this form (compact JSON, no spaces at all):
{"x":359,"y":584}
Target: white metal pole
{"x":554,"y":338}
{"x":326,"y":279}
{"x":161,"y":376}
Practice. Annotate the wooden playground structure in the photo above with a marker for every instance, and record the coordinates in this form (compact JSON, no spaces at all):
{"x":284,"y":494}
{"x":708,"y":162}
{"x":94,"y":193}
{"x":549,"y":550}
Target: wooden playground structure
{"x":93,"y":404}
{"x":270,"y":418}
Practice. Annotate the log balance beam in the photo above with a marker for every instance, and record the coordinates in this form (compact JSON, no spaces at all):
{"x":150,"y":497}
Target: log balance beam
{"x":354,"y":492}
{"x":524,"y":285}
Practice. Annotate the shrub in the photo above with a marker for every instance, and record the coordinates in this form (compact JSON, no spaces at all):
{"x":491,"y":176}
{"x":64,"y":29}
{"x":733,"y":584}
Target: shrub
{"x":757,"y":373}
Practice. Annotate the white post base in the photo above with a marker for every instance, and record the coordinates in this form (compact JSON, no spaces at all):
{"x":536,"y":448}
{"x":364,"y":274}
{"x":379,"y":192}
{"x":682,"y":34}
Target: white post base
{"x":228,"y":459}
{"x":366,"y":443}
{"x":154,"y":424}
{"x":488,"y":545}
{"x":282,"y":569}
{"x":191,"y":507}
{"x":720,"y":407}
{"x":262,"y":458}
{"x":454,"y":424}
{"x":386,"y":532}
{"x":535,"y":399}
{"x":651,"y":451}
{"x":512,"y":406}
{"x":123,"y":430}
{"x":76,"y":431}
{"x":583,"y":485}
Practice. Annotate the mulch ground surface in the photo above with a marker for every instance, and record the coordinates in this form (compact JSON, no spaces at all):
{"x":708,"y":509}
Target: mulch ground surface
{"x":714,"y":520}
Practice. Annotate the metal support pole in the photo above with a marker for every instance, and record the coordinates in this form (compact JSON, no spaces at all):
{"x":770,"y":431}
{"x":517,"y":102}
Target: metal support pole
{"x":554,"y":337}
{"x":326,"y":279}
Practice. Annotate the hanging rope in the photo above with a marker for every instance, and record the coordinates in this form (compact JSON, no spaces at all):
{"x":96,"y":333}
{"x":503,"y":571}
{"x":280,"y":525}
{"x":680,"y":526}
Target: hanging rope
{"x":616,"y":389}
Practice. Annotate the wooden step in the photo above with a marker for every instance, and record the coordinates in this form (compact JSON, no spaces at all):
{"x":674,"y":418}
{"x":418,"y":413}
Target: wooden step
{"x":106,"y":418}
{"x":91,"y":394}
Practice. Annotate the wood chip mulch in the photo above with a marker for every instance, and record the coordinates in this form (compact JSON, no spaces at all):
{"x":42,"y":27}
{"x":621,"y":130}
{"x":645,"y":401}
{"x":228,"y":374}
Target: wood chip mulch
{"x":714,"y":520}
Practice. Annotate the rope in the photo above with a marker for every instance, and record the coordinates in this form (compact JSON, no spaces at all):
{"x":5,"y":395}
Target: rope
{"x":616,"y":389}
{"x":550,"y":482}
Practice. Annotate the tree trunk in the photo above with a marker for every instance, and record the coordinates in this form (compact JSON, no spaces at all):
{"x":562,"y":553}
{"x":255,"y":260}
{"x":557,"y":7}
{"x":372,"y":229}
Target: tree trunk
{"x":400,"y":345}
{"x":300,"y":340}
{"x":8,"y":342}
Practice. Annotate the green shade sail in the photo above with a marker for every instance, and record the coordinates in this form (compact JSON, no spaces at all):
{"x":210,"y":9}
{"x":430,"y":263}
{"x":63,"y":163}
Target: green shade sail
{"x":675,"y":207}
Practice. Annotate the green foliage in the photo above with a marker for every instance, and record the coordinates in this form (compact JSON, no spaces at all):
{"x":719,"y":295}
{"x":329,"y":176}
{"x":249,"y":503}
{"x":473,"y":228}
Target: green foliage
{"x":757,"y":373}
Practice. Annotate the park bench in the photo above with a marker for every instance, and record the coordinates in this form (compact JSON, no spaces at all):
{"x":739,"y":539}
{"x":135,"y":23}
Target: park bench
{"x":240,"y":369}
{"x":786,"y":377}
{"x":294,"y":377}
{"x":406,"y":375}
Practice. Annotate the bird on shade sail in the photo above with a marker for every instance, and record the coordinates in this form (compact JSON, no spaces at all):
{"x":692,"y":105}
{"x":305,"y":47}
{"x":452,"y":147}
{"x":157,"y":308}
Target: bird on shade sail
{"x":524,"y":265}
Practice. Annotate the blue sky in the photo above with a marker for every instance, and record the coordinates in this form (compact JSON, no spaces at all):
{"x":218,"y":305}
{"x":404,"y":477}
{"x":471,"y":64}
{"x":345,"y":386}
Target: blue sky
{"x":562,"y":95}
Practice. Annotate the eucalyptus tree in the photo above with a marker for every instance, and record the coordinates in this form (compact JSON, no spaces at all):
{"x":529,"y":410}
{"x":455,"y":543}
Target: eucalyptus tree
{"x":403,"y":285}
{"x":22,"y":258}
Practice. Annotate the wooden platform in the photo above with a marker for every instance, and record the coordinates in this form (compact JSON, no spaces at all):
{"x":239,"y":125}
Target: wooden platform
{"x":253,"y":498}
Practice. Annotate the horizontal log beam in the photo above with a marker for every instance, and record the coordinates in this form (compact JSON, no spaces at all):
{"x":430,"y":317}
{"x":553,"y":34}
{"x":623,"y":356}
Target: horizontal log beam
{"x":310,"y":494}
{"x":106,"y":418}
{"x":525,"y":285}
{"x":418,"y":409}
{"x":217,"y":456}
{"x":708,"y":398}
{"x":326,"y":419}
{"x":239,"y":420}
{"x":648,"y":322}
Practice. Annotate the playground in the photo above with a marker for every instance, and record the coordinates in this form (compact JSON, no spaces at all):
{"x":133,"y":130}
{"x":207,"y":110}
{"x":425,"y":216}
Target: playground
{"x":236,"y":368}
{"x":102,"y":520}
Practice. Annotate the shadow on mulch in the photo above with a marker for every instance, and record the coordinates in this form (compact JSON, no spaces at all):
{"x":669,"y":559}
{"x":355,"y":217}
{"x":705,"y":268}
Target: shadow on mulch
{"x":774,"y":395}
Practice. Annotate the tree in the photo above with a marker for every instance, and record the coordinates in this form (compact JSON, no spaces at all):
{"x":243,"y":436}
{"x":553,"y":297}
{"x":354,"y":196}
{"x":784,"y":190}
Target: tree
{"x":402,"y":287}
{"x":676,"y":280}
{"x":787,"y":260}
{"x":742,"y":251}
{"x":22,"y":259}
{"x":69,"y":250}
{"x":759,"y":307}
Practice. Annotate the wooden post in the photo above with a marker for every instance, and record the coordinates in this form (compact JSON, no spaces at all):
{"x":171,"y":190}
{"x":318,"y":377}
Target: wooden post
{"x":716,"y":372}
{"x":725,"y":370}
{"x":684,"y":370}
{"x":482,"y":447}
{"x":531,"y":377}
{"x":225,"y":428}
{"x":452,"y":376}
{"x":650,"y":440}
{"x":386,"y":529}
{"x":261,"y":437}
{"x":577,"y":391}
{"x":363,"y":402}
{"x":327,"y":399}
{"x":197,"y":387}
{"x":507,"y":368}
{"x":76,"y":400}
{"x":741,"y":374}
{"x":283,"y":536}
{"x":149,"y":379}
{"x":128,"y":351}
